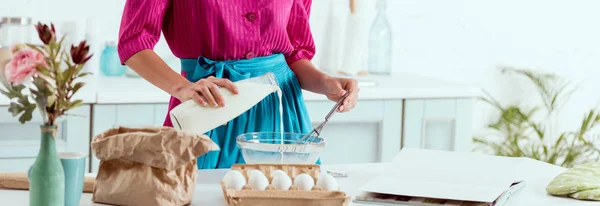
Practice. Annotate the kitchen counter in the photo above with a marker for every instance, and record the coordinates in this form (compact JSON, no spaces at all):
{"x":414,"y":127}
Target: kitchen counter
{"x":208,"y":191}
{"x":123,"y":90}
{"x":392,"y":111}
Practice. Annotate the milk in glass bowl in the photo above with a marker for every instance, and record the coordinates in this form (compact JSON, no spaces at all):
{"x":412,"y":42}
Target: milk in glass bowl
{"x":279,"y":148}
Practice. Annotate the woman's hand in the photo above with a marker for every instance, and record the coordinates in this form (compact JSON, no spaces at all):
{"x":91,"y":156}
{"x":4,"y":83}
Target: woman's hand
{"x":313,"y":80}
{"x":206,"y":91}
{"x":337,"y":87}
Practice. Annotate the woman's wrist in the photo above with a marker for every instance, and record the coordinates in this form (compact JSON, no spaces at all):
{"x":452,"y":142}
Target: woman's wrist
{"x":178,"y":89}
{"x":309,"y":76}
{"x":322,"y":82}
{"x":152,"y":68}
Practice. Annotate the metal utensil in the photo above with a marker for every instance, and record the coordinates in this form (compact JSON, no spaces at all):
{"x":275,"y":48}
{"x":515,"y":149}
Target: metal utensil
{"x":310,"y":136}
{"x":337,"y":174}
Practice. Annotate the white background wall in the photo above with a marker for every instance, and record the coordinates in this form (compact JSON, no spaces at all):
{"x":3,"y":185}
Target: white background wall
{"x":459,"y":40}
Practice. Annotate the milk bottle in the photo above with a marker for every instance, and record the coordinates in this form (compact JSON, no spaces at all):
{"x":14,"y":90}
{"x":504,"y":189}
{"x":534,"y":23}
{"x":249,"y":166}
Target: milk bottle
{"x":189,"y":116}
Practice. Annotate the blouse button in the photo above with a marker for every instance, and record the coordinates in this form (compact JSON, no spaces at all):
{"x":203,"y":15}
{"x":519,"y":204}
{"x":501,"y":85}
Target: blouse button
{"x":251,"y":16}
{"x":250,"y":55}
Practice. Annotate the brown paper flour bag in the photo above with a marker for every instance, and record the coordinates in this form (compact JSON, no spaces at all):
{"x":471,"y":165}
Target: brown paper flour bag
{"x":147,"y":166}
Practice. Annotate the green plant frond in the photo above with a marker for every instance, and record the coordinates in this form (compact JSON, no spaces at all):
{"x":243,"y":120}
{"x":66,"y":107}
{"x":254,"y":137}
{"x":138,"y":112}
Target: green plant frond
{"x":566,"y":96}
{"x":60,"y":43}
{"x":490,"y":100}
{"x":518,"y":127}
{"x":586,"y":125}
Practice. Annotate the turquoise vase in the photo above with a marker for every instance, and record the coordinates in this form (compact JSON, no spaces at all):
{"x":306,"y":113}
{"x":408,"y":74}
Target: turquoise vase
{"x":110,"y":64}
{"x":46,"y":177}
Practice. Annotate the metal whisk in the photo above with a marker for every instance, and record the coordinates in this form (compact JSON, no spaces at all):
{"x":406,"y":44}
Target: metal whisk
{"x":310,"y":136}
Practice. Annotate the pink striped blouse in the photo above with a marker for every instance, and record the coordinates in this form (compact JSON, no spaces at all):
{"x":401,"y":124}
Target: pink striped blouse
{"x":218,"y":29}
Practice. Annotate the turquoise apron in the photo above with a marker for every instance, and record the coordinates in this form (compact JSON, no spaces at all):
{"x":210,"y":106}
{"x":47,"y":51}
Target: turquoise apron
{"x":263,"y":117}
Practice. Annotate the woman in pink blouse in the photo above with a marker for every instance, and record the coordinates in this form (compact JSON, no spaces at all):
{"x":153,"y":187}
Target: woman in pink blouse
{"x":223,"y":41}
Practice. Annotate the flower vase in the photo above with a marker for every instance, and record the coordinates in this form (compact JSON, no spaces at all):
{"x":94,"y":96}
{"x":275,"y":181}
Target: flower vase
{"x":46,"y":177}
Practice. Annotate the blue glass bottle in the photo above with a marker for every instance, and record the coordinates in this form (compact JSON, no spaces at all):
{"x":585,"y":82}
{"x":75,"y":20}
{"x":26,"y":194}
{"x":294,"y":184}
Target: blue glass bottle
{"x":110,"y":64}
{"x":380,"y":43}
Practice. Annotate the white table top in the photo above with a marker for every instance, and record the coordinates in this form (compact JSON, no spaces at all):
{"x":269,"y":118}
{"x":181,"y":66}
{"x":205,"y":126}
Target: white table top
{"x":208,"y":191}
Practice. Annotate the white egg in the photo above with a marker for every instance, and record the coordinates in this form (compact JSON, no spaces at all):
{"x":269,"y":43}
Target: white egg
{"x":253,"y":172}
{"x":282,"y":182}
{"x":278,"y":172}
{"x":304,"y":182}
{"x":327,"y":182}
{"x":234,"y":180}
{"x":258,"y":180}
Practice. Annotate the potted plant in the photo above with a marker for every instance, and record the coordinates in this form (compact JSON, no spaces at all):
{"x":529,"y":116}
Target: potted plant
{"x":44,"y":77}
{"x":520,"y":134}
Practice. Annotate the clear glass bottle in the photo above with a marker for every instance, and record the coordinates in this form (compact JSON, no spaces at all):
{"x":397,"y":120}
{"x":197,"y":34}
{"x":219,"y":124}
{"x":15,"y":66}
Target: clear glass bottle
{"x":380,"y":43}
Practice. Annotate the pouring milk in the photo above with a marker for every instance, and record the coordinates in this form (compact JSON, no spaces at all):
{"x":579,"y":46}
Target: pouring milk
{"x":251,"y":92}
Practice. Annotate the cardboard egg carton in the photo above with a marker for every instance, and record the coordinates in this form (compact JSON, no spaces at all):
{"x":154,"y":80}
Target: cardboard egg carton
{"x":292,"y":197}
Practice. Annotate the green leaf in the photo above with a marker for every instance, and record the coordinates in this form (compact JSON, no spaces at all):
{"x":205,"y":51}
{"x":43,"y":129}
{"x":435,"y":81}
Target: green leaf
{"x":35,"y":47}
{"x":51,"y":100}
{"x":68,"y":73}
{"x":50,"y":63}
{"x":40,"y":99}
{"x":42,"y":86}
{"x":10,"y":95}
{"x":5,"y":93}
{"x":560,"y":140}
{"x":60,"y":43}
{"x":15,"y":109}
{"x":490,"y":100}
{"x":553,"y":101}
{"x":586,"y":125}
{"x":84,"y":74}
{"x":79,"y":68}
{"x":27,"y":115}
{"x":77,"y":86}
{"x":24,"y":101}
{"x":44,"y":71}
{"x":18,"y":88}
{"x":75,"y":104}
{"x":67,"y":60}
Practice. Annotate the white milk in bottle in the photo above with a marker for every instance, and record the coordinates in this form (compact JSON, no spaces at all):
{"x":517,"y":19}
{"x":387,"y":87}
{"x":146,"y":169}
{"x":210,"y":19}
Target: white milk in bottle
{"x":189,"y":116}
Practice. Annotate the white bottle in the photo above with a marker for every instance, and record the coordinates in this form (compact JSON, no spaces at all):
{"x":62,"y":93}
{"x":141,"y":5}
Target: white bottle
{"x":191,"y":117}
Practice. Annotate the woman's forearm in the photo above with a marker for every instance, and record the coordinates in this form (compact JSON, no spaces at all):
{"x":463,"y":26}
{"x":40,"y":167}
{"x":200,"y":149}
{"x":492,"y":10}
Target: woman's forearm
{"x":309,"y":76}
{"x":152,"y":68}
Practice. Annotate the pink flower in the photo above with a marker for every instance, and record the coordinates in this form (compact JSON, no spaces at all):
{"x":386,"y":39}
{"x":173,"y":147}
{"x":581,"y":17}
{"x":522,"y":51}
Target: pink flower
{"x":23,"y":65}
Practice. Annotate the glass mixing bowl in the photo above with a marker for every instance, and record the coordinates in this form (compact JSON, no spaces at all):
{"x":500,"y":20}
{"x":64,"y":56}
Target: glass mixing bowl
{"x":267,"y":148}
